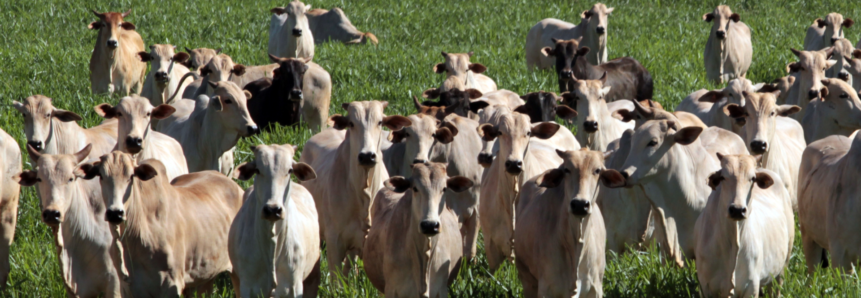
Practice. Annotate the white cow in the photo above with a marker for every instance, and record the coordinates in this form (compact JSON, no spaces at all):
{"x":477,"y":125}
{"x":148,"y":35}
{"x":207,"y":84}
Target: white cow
{"x":823,"y":33}
{"x":594,"y":117}
{"x":165,"y":74}
{"x":462,"y":74}
{"x":837,"y":113}
{"x":810,"y":70}
{"x":728,"y":50}
{"x":289,"y":32}
{"x":709,"y":105}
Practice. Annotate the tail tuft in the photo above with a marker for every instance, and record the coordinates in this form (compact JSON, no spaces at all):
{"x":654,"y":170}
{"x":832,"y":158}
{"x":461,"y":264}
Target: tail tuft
{"x":372,"y":38}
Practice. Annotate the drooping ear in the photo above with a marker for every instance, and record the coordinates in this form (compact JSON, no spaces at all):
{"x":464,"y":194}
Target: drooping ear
{"x":786,"y":110}
{"x":734,"y":111}
{"x":823,"y":93}
{"x":582,"y":51}
{"x":163,"y":111}
{"x":523,"y":109}
{"x":303,"y":171}
{"x":603,"y":80}
{"x":443,"y":135}
{"x":27,"y":178}
{"x":624,"y":115}
{"x":477,"y":67}
{"x":566,"y":112}
{"x":708,"y":17}
{"x":128,"y":26}
{"x":145,"y":172}
{"x":106,"y":111}
{"x":821,"y":23}
{"x":767,"y":88}
{"x":548,"y":52}
{"x":33,"y":153}
{"x":610,"y":10}
{"x":396,"y":122}
{"x":856,"y":53}
{"x":477,"y":105}
{"x":90,"y":170}
{"x":216,"y":103}
{"x":763,"y":180}
{"x":180,"y":57}
{"x":586,"y":14}
{"x":687,"y":135}
{"x":439,"y":68}
{"x":398,"y":184}
{"x":431,"y":93}
{"x":735,"y":17}
{"x":715,"y":179}
{"x":713,"y":96}
{"x":144,"y":56}
{"x":417,"y":103}
{"x":451,"y":127}
{"x":95,"y":25}
{"x":238,"y":69}
{"x":487,"y":132}
{"x":568,"y":97}
{"x":545,"y":130}
{"x":397,"y":136}
{"x":474,"y":93}
{"x":205,"y":71}
{"x":612,"y":178}
{"x":848,"y":23}
{"x":278,"y":10}
{"x":551,"y":178}
{"x":340,"y":122}
{"x":792,"y":67}
{"x":459,"y":183}
{"x":65,"y":116}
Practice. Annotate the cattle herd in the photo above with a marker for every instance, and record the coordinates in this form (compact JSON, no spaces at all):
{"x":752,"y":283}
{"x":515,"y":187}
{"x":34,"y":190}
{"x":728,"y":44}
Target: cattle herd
{"x":144,"y":205}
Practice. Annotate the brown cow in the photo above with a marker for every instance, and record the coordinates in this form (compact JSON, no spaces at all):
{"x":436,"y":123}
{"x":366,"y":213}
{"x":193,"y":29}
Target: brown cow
{"x":114,"y":65}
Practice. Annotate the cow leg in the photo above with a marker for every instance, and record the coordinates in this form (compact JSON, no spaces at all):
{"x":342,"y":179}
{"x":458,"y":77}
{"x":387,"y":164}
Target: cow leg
{"x":530,"y":284}
{"x":772,"y":288}
{"x":335,"y":254}
{"x":840,"y":259}
{"x":813,"y":253}
{"x":311,"y":284}
{"x":236,"y":286}
{"x":8,"y":219}
{"x":494,"y":256}
{"x":470,"y":236}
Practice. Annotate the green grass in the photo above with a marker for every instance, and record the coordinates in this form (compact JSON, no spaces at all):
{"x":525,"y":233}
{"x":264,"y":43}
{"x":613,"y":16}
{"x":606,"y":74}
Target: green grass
{"x":45,"y":48}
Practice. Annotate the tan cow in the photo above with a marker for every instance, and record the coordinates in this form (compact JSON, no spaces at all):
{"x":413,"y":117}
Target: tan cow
{"x":853,"y":68}
{"x":842,"y":49}
{"x":745,"y":233}
{"x":650,"y":110}
{"x":782,"y":84}
{"x":135,"y":136}
{"x":502,"y":97}
{"x":838,"y":113}
{"x":114,"y":66}
{"x":274,"y":241}
{"x":728,"y":50}
{"x":165,"y":74}
{"x":50,"y":130}
{"x":823,"y":33}
{"x":290,"y":33}
{"x":173,"y":235}
{"x":414,"y":248}
{"x":199,"y":57}
{"x":592,"y":28}
{"x":562,"y":140}
{"x":810,"y":70}
{"x":560,"y":233}
{"x":462,"y":74}
{"x":768,"y":131}
{"x":74,"y":210}
{"x":219,"y":68}
{"x":209,"y":133}
{"x":333,"y":24}
{"x":709,"y":105}
{"x":595,"y":119}
{"x":348,"y":160}
{"x":10,"y":159}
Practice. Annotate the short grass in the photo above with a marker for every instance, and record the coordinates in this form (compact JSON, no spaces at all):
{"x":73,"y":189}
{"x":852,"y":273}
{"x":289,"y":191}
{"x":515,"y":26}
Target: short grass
{"x":45,"y":48}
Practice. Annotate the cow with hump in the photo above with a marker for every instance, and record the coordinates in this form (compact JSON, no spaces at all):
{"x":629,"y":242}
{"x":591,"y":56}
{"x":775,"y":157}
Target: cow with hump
{"x":463,"y":74}
{"x":10,"y":159}
{"x":414,"y":248}
{"x":274,"y":241}
{"x":299,"y":88}
{"x":810,"y":69}
{"x":333,"y":24}
{"x":823,"y":33}
{"x":709,"y":105}
{"x":349,"y":162}
{"x":594,"y":114}
{"x":838,"y":112}
{"x":728,"y":51}
{"x":50,"y":130}
{"x":166,"y":73}
{"x":290,"y":32}
{"x":173,"y":235}
{"x":114,"y":66}
{"x":592,"y":30}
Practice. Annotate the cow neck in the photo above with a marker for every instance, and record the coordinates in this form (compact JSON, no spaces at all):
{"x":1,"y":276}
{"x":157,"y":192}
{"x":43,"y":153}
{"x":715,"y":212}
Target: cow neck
{"x":600,"y":139}
{"x":362,"y":183}
{"x":213,"y":139}
{"x":274,"y":234}
{"x":147,"y":214}
{"x":509,"y":190}
{"x":106,"y":57}
{"x":734,"y":230}
{"x":64,"y":138}
{"x":802,"y":85}
{"x":424,"y":248}
{"x":80,"y":231}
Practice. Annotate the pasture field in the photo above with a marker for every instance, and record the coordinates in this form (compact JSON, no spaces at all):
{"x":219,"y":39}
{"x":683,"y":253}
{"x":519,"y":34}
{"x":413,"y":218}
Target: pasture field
{"x":45,"y":49}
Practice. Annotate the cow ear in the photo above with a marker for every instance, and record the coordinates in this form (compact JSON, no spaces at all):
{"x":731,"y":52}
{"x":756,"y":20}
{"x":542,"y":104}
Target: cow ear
{"x":735,"y":17}
{"x":106,"y":111}
{"x":477,"y":105}
{"x":473,"y":93}
{"x":19,"y":106}
{"x":856,"y":53}
{"x":786,"y":110}
{"x":144,"y":56}
{"x":477,"y":67}
{"x":823,"y":93}
{"x":792,"y":67}
{"x":568,"y":97}
{"x":687,"y":135}
{"x":431,"y":93}
{"x":439,"y":68}
{"x":276,"y":73}
{"x":27,"y":178}
{"x":551,"y":178}
{"x":65,"y":116}
{"x":443,"y":135}
{"x":487,"y":132}
{"x":303,"y":171}
{"x":163,"y":111}
{"x":523,"y":109}
{"x":340,"y":122}
{"x":245,"y":171}
{"x":610,"y":10}
{"x":715,"y":179}
{"x":612,"y":178}
{"x":278,"y":10}
{"x":398,"y":184}
{"x":128,"y":26}
{"x":396,"y":122}
{"x":821,"y":23}
{"x":586,"y":14}
{"x":145,"y":172}
{"x":624,"y":115}
{"x":204,"y":71}
{"x":566,"y":112}
{"x":95,"y":25}
{"x":397,"y":136}
{"x":216,"y":103}
{"x":763,"y":180}
{"x":180,"y":57}
{"x":708,"y":17}
{"x":451,"y":127}
{"x":91,"y":170}
{"x":848,"y":23}
{"x":768,"y":88}
{"x":238,"y":69}
{"x":582,"y":51}
{"x":548,"y":52}
{"x":545,"y":130}
{"x":713,"y":96}
{"x":829,"y":63}
{"x":734,"y":111}
{"x":247,"y":94}
{"x":459,"y":183}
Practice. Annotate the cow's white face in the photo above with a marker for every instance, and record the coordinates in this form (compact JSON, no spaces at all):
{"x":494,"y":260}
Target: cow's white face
{"x":55,"y":177}
{"x":273,"y":165}
{"x":597,"y":16}
{"x":489,"y":147}
{"x":420,"y":139}
{"x":200,"y":57}
{"x":425,"y":187}
{"x":163,"y":59}
{"x":220,"y":68}
{"x":736,"y":180}
{"x":231,"y":106}
{"x":296,"y":19}
{"x":39,"y":112}
{"x":579,"y":175}
{"x":457,"y":65}
{"x":134,"y":114}
{"x":588,"y":96}
{"x":758,"y":118}
{"x":649,"y":147}
{"x":833,"y":25}
{"x":119,"y":172}
{"x":840,"y":105}
{"x":110,"y":26}
{"x":364,"y":124}
{"x":811,"y":67}
{"x":513,"y":131}
{"x":721,"y":18}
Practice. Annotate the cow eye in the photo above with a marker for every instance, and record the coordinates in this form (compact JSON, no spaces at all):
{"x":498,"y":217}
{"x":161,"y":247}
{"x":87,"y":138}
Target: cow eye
{"x":381,"y":123}
{"x":844,"y":95}
{"x":228,"y":101}
{"x":415,"y":189}
{"x":148,"y":114}
{"x":652,"y":143}
{"x":38,"y":179}
{"x":597,"y":171}
{"x":119,"y":114}
{"x":71,"y":179}
{"x":528,"y":133}
{"x":351,"y":124}
{"x":48,"y":115}
{"x":773,"y":113}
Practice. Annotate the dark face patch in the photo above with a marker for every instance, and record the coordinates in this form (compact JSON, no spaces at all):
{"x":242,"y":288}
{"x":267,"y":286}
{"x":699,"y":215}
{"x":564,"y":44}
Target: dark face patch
{"x":290,"y":76}
{"x":454,"y":100}
{"x":540,"y":106}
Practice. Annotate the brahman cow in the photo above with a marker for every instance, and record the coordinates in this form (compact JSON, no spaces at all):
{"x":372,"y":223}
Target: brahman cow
{"x":745,"y":232}
{"x":592,"y":30}
{"x":842,"y":49}
{"x":782,"y":84}
{"x":164,"y":77}
{"x":113,"y":65}
{"x":837,"y":113}
{"x":274,"y":241}
{"x":650,"y":110}
{"x":300,"y":87}
{"x":462,"y":74}
{"x":464,"y":103}
{"x":333,"y":24}
{"x":290,"y":36}
{"x":728,"y":50}
{"x":823,"y":33}
{"x":219,"y":68}
{"x":10,"y":160}
{"x":709,"y":105}
{"x":853,"y":68}
{"x":563,"y":139}
{"x":596,"y":125}
{"x":810,"y":68}
{"x":199,"y":57}
{"x":50,"y":130}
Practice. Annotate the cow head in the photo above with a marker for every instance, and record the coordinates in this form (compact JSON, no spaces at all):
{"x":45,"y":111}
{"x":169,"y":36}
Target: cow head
{"x":489,"y":146}
{"x":118,"y":173}
{"x":842,"y":49}
{"x":840,"y":105}
{"x":645,"y":110}
{"x":199,"y":57}
{"x":811,"y":67}
{"x":162,"y":58}
{"x":296,"y":19}
{"x":454,"y":100}
{"x":273,"y":165}
{"x":543,"y":106}
{"x":364,"y":123}
{"x":438,"y":112}
{"x":56,"y":178}
{"x":578,"y":175}
{"x":566,"y":53}
{"x":853,"y":66}
{"x":290,"y":75}
{"x":721,"y":18}
{"x":782,"y":84}
{"x":424,"y":189}
{"x":457,"y":66}
{"x":110,"y":26}
{"x":650,"y":144}
{"x":513,"y":131}
{"x":732,"y":92}
{"x":134,"y":114}
{"x":588,"y":97}
{"x":758,"y":117}
{"x":39,"y":113}
{"x":735,"y":180}
{"x":221,"y":68}
{"x":231,"y":106}
{"x":423,"y":138}
{"x":597,"y":17}
{"x":833,"y":25}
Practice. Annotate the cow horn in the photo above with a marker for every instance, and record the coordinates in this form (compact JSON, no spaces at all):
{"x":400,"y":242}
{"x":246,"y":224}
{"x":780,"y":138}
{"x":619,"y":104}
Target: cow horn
{"x":99,"y":15}
{"x":125,"y":14}
{"x":647,"y":112}
{"x":417,"y":103}
{"x":444,"y":54}
{"x":187,"y":50}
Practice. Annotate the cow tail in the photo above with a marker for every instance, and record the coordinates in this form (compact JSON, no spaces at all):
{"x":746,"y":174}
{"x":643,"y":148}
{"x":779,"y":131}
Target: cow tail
{"x":194,"y":74}
{"x":370,"y":36}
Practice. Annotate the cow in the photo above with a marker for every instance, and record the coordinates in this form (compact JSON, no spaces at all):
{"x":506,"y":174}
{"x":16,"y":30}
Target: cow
{"x":769,"y":132}
{"x":853,"y":68}
{"x":290,"y":36}
{"x":113,"y":65}
{"x":518,"y":160}
{"x":50,"y":130}
{"x":592,"y":30}
{"x":629,"y":79}
{"x":595,"y":119}
{"x":837,"y":113}
{"x":164,"y":77}
{"x":823,"y":33}
{"x":208,"y":133}
{"x":842,"y":49}
{"x":709,"y":105}
{"x":173,"y":235}
{"x":503,"y":97}
{"x":544,"y":106}
{"x":274,"y":241}
{"x":782,"y":84}
{"x":199,"y":57}
{"x":463,"y":74}
{"x":299,"y":87}
{"x":560,"y":234}
{"x":219,"y":68}
{"x":728,"y":51}
{"x":74,"y":210}
{"x":810,"y":68}
{"x":651,"y":110}
{"x":563,"y":139}
{"x":334,"y":25}
{"x":135,"y":135}
{"x":744,"y":234}
{"x":345,"y":157}
{"x":10,"y":160}
{"x":414,"y":248}
{"x":464,"y":103}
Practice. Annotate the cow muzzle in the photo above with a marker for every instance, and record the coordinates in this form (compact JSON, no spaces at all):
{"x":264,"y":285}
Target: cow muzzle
{"x":485,"y":160}
{"x":115,"y":216}
{"x":161,"y":77}
{"x":590,"y":126}
{"x":51,"y":217}
{"x":758,"y":147}
{"x":367,"y":159}
{"x":36,"y":145}
{"x":134,"y":145}
{"x":566,"y":74}
{"x":113,"y":44}
{"x":272,"y":212}
{"x":580,"y":207}
{"x":834,"y":39}
{"x":812,"y":94}
{"x":429,"y":227}
{"x":737,"y":212}
{"x":297,"y":32}
{"x":514,"y":167}
{"x":721,"y":34}
{"x":843,"y":75}
{"x":296,"y":95}
{"x":251,"y":130}
{"x":601,"y":30}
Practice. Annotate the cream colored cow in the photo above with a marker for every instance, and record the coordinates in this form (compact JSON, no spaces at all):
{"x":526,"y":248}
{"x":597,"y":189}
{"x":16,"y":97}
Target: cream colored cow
{"x":594,"y":117}
{"x":782,"y":84}
{"x":842,"y":49}
{"x":744,"y":235}
{"x":219,"y":68}
{"x":114,"y":66}
{"x":810,"y":70}
{"x":853,"y":68}
{"x":290,"y":33}
{"x":414,"y":248}
{"x":10,"y":159}
{"x":709,"y":105}
{"x":165,"y":74}
{"x":592,"y":28}
{"x":50,"y":130}
{"x":333,"y":24}
{"x":463,"y":74}
{"x":837,"y":113}
{"x":274,"y":241}
{"x":562,"y":140}
{"x":728,"y":50}
{"x":823,"y":33}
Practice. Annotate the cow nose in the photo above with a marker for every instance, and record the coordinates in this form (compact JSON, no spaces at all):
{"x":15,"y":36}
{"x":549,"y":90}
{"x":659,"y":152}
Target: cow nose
{"x":429,"y":227}
{"x":590,"y":126}
{"x":737,"y":212}
{"x":36,"y":145}
{"x":368,"y":159}
{"x":252,"y":129}
{"x":625,"y":175}
{"x":580,"y":207}
{"x":419,"y":161}
{"x":114,"y":216}
{"x":514,"y":167}
{"x":296,"y":94}
{"x":161,"y":75}
{"x":812,"y":94}
{"x":297,"y":32}
{"x":833,"y":40}
{"x":843,"y":76}
{"x":721,"y":34}
{"x":600,"y":29}
{"x":51,"y":217}
{"x":134,"y":143}
{"x":567,"y":74}
{"x":272,"y":213}
{"x":485,"y":159}
{"x":758,"y":147}
{"x":113,"y":44}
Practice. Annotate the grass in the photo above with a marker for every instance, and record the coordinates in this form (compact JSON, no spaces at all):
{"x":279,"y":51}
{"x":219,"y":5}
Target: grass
{"x":45,"y":48}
